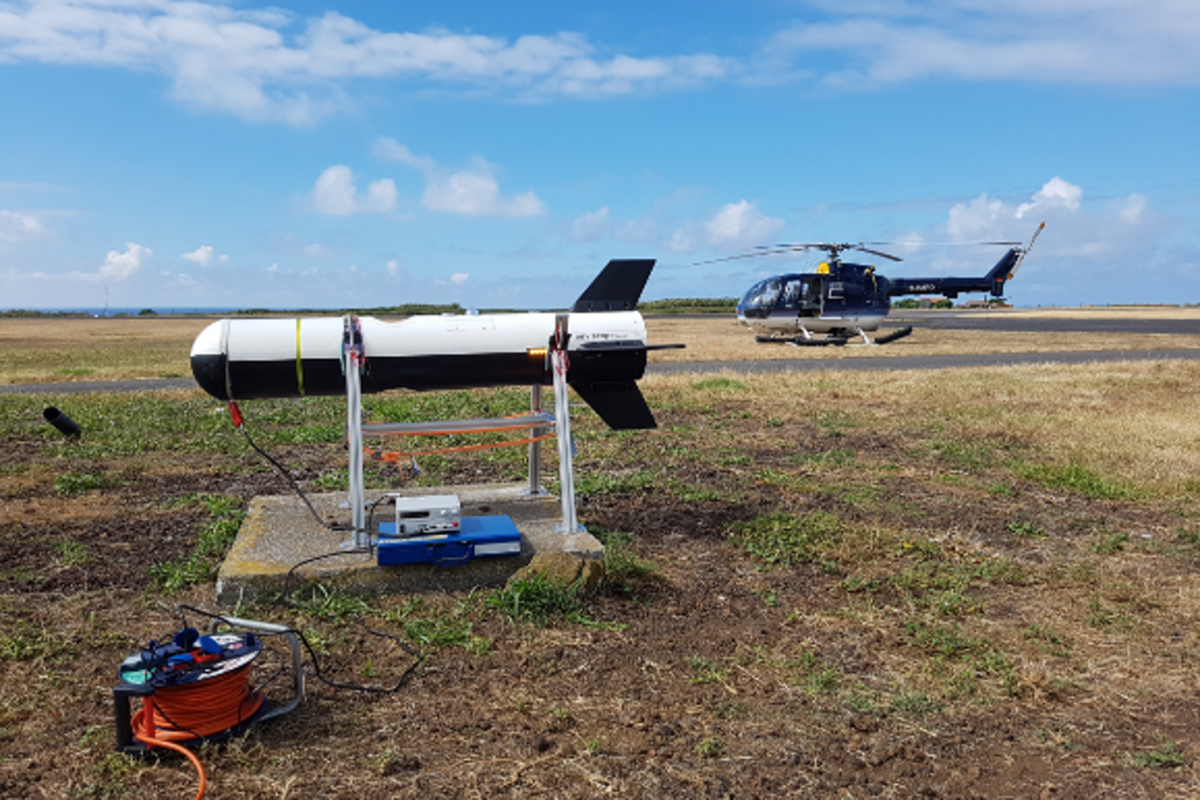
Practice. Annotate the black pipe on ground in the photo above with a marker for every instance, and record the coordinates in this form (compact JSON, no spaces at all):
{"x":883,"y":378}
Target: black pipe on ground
{"x":68,"y":426}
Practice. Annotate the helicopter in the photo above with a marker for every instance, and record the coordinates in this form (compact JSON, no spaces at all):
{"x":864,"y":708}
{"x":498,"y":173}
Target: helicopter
{"x":841,"y":300}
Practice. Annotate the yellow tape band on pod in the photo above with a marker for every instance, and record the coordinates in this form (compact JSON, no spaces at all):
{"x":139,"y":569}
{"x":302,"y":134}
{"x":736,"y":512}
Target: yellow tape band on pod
{"x":299,"y":363}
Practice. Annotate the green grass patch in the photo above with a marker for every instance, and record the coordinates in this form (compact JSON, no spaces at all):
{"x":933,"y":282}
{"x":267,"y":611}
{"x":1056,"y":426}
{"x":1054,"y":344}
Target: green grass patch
{"x":541,"y":602}
{"x":73,"y":484}
{"x":71,"y":552}
{"x":212,"y":543}
{"x":615,"y":483}
{"x":1076,"y":478}
{"x":1111,"y":544}
{"x":1164,"y":755}
{"x":720,"y":384}
{"x":623,"y":570}
{"x":916,"y":704}
{"x":783,"y":540}
{"x":28,"y":641}
{"x":1023,"y":528}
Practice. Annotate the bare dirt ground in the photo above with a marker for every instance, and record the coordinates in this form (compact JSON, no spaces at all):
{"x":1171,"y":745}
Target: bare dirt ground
{"x":989,"y":600}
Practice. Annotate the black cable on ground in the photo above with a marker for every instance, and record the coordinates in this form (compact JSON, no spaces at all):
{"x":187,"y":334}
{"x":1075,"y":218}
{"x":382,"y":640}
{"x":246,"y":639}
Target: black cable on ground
{"x":316,"y":664}
{"x":292,"y":481}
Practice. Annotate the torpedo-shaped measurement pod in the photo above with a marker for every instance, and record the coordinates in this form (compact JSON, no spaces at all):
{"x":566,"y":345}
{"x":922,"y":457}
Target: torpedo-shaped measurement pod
{"x":241,"y":359}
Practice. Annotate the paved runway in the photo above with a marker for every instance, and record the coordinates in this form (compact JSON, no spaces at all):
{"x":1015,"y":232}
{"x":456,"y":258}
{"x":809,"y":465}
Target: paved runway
{"x":1014,"y":321}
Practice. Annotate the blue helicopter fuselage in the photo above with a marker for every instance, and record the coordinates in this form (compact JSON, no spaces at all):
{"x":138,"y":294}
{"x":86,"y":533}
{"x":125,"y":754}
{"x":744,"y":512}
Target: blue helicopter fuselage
{"x":841,"y":298}
{"x":819,"y":302}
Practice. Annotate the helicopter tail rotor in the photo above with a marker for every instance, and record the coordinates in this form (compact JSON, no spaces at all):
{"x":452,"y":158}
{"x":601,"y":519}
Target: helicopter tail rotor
{"x":1024,"y":251}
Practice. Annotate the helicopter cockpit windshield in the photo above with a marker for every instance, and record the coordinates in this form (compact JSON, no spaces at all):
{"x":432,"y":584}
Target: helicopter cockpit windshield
{"x":800,"y":294}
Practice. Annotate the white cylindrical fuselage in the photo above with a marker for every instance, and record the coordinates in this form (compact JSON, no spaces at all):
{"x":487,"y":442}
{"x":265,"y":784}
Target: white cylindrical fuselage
{"x":288,"y":357}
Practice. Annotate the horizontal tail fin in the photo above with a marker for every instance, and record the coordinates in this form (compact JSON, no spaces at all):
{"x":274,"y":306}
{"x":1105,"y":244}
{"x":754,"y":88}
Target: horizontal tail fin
{"x":618,"y":287}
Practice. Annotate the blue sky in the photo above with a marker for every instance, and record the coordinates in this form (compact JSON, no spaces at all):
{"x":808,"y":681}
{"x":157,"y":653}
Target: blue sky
{"x":323,"y":155}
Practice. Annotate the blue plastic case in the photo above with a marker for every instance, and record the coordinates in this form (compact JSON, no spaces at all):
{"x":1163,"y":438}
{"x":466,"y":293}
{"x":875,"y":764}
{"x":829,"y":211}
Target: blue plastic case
{"x":478,"y":537}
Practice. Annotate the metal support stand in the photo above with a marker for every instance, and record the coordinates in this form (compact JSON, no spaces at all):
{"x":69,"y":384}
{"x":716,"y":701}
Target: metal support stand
{"x":352,"y":363}
{"x":535,"y":448}
{"x":562,"y":411}
{"x":353,"y":360}
{"x":293,"y":640}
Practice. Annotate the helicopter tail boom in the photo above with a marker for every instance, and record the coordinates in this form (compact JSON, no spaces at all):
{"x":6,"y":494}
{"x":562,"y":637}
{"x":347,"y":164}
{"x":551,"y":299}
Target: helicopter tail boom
{"x":992,"y":282}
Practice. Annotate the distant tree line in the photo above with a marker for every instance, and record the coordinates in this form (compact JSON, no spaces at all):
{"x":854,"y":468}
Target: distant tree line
{"x":942,"y":302}
{"x":21,"y":312}
{"x":406,"y":310}
{"x":692,"y":305}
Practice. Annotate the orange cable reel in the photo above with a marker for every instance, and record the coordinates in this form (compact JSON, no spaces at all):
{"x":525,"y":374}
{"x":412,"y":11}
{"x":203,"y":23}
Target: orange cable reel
{"x":193,"y":689}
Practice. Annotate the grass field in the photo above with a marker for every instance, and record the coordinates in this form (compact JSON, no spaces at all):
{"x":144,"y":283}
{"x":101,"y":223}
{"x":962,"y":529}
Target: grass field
{"x":954,"y":583}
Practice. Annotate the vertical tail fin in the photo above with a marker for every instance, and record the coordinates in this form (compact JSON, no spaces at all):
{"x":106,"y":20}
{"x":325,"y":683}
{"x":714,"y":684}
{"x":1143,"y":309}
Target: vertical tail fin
{"x":618,"y":287}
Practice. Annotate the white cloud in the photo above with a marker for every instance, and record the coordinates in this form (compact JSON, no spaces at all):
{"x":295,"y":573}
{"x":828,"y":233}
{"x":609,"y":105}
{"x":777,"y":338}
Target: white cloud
{"x":477,"y":193}
{"x":204,"y":256}
{"x":393,"y":267}
{"x":734,"y":225}
{"x":976,"y":218}
{"x":1101,"y":240}
{"x":740,"y":223}
{"x":473,"y":192}
{"x":1056,"y":193}
{"x":590,"y":226}
{"x":336,"y":195}
{"x":265,"y":65}
{"x":459,"y":278}
{"x":991,"y":218}
{"x":16,"y":227}
{"x":1133,"y":209}
{"x":119,"y":266}
{"x":388,"y":149}
{"x":1063,"y":41}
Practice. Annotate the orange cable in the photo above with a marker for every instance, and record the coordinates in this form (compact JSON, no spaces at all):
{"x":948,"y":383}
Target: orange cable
{"x":394,"y":455}
{"x":452,"y":433}
{"x":195,"y":710}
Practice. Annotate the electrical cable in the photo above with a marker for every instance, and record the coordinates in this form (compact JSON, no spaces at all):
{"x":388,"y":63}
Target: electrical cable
{"x":236,"y":414}
{"x":420,"y":657}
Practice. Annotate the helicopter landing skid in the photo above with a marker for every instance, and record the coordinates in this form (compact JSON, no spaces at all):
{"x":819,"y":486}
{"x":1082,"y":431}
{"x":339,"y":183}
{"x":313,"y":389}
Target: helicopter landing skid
{"x":894,"y":335}
{"x":800,"y":341}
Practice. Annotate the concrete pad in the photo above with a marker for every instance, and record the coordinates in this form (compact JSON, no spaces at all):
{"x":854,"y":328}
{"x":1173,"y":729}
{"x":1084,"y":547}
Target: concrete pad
{"x":279,"y":533}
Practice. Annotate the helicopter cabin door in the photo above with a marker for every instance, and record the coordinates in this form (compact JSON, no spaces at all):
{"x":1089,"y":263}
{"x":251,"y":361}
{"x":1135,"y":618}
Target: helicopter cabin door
{"x":837,"y":297}
{"x":802,"y":294}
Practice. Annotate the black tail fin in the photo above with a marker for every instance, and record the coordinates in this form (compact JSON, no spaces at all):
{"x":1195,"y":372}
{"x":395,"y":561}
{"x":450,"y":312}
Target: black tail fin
{"x":1003,"y":270}
{"x":619,"y":404}
{"x":617,"y":288}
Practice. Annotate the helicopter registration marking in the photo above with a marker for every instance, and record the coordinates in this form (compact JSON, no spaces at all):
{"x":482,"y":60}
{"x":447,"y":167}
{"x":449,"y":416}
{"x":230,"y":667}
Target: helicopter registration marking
{"x":922,"y":287}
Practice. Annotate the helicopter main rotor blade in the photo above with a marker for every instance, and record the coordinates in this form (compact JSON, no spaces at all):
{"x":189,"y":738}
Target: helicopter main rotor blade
{"x":877,"y":252}
{"x":750,"y":255}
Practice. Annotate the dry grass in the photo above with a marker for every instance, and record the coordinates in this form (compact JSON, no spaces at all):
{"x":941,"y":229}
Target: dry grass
{"x":1148,"y":433}
{"x":43,"y":350}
